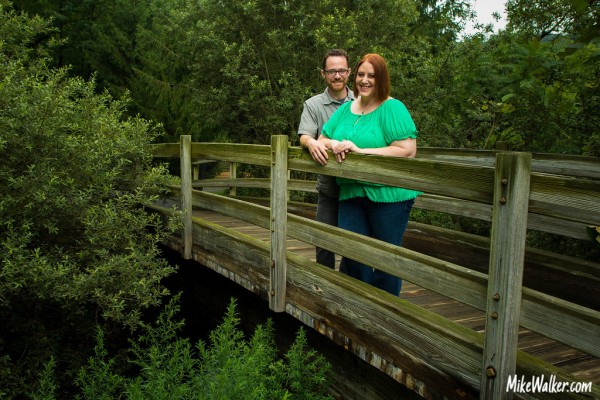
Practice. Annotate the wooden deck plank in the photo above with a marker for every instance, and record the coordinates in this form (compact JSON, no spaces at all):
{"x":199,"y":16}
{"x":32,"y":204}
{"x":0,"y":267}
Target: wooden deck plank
{"x":583,"y":366}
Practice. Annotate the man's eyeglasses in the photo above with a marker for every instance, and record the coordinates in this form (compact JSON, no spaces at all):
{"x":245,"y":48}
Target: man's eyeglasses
{"x":332,"y":72}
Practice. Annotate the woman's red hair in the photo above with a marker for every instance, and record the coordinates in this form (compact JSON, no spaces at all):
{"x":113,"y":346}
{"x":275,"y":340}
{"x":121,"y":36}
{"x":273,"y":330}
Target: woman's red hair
{"x":383,"y":85}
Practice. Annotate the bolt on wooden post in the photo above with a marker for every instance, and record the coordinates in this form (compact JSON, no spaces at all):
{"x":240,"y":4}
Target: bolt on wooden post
{"x":279,"y":178}
{"x":507,"y":253}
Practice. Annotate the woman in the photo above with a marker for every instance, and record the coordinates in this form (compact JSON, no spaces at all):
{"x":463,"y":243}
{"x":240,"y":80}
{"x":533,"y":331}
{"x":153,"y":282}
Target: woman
{"x":377,"y":124}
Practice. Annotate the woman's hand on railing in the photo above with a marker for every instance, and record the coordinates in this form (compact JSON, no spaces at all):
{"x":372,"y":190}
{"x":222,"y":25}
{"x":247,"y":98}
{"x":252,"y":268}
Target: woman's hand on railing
{"x":399,"y":148}
{"x":341,"y":148}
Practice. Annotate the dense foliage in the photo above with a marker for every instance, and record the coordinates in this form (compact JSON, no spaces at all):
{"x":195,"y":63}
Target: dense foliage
{"x":75,"y":248}
{"x":229,"y":367}
{"x":239,"y":70}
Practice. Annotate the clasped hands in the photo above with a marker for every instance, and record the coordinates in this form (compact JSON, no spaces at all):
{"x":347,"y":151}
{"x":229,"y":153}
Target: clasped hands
{"x":340,"y":149}
{"x":318,"y":150}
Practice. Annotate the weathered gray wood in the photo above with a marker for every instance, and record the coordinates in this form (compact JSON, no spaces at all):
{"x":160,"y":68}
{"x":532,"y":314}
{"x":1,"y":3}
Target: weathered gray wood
{"x":451,"y":205}
{"x":557,"y":164}
{"x":577,"y":326}
{"x":233,"y":175}
{"x":387,"y":331}
{"x":565,"y":164}
{"x":544,"y":223}
{"x":529,"y":367}
{"x":233,"y":152}
{"x":279,"y":178}
{"x":545,"y":265}
{"x":244,"y":258}
{"x":461,"y":181}
{"x":555,"y":319}
{"x":507,"y":252}
{"x":392,"y":335}
{"x":450,"y":279}
{"x":186,"y":194}
{"x":196,"y":168}
{"x":569,"y":202}
{"x":572,"y":199}
{"x":166,"y":150}
{"x":257,"y":183}
{"x":566,"y":198}
{"x":538,"y":222}
{"x":553,"y":196}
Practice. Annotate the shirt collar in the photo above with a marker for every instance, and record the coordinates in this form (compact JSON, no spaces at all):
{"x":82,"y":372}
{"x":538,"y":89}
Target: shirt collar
{"x":330,"y":99}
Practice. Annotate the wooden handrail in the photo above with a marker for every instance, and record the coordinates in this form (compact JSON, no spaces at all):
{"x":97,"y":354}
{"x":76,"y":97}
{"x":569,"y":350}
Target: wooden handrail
{"x":558,"y":204}
{"x":555,"y":164}
{"x":505,"y":192}
{"x":550,"y":318}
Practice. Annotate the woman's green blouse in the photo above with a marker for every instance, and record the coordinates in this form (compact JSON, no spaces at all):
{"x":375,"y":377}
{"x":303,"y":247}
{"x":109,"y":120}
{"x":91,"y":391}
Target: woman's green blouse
{"x":391,"y":121}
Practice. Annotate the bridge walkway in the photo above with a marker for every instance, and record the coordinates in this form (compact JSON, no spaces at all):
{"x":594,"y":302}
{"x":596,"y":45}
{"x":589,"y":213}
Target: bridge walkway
{"x":584,"y":366}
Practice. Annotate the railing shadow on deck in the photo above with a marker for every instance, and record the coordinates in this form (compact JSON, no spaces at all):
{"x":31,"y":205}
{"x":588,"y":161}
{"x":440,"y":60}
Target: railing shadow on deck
{"x":515,"y":191}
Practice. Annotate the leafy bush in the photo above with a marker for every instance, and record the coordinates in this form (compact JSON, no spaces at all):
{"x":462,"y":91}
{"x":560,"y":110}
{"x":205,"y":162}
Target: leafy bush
{"x":75,"y":248}
{"x":230,"y":367}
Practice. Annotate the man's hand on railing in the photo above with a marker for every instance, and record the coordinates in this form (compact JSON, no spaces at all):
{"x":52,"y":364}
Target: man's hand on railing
{"x":318,"y":151}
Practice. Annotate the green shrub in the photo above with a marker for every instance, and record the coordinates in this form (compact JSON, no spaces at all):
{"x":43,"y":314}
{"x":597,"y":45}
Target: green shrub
{"x":75,"y":248}
{"x":229,"y":367}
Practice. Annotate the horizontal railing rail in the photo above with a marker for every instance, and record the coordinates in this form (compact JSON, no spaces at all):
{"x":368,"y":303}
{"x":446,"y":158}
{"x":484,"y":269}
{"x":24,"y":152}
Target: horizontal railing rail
{"x":555,"y":318}
{"x":555,"y":164}
{"x":559,"y":204}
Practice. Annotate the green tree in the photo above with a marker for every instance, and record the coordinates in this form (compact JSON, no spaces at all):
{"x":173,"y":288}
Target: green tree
{"x":98,"y":37}
{"x":213,"y":81}
{"x":75,"y":248}
{"x":539,"y":18}
{"x":540,"y":91}
{"x":250,"y":82}
{"x":533,"y":84}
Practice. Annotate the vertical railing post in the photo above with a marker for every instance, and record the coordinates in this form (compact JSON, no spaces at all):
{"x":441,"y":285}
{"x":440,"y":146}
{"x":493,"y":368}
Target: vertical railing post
{"x":232,"y":175}
{"x":185,"y":155}
{"x":279,"y":166}
{"x":287,"y":192}
{"x":507,"y":251}
{"x":195,"y":171}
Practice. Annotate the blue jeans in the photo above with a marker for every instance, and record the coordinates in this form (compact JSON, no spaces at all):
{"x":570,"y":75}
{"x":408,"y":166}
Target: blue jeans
{"x":383,"y":221}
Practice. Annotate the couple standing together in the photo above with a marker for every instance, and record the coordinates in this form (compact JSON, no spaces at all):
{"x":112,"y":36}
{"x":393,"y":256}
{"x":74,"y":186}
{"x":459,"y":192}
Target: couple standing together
{"x":373,"y":123}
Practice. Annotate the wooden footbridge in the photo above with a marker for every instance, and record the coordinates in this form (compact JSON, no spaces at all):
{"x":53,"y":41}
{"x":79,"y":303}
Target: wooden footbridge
{"x":478,"y":317}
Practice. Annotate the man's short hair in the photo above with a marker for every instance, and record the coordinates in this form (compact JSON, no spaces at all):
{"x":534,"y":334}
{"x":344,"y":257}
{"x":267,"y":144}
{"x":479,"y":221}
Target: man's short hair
{"x":335,"y":53}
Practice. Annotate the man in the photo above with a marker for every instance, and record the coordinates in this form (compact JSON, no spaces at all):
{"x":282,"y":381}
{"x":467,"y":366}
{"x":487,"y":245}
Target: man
{"x":317,"y":110}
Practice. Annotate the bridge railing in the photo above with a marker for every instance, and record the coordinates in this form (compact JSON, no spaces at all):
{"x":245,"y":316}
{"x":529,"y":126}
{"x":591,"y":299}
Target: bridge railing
{"x":499,"y":187}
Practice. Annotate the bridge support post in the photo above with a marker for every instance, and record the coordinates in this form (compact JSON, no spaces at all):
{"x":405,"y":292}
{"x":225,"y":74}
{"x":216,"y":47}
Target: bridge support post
{"x":507,"y":252}
{"x":279,"y":177}
{"x":232,"y":175}
{"x":185,"y":155}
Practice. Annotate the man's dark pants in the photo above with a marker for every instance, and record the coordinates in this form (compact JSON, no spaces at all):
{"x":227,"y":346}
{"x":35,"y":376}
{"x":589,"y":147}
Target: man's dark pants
{"x":327,"y":212}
